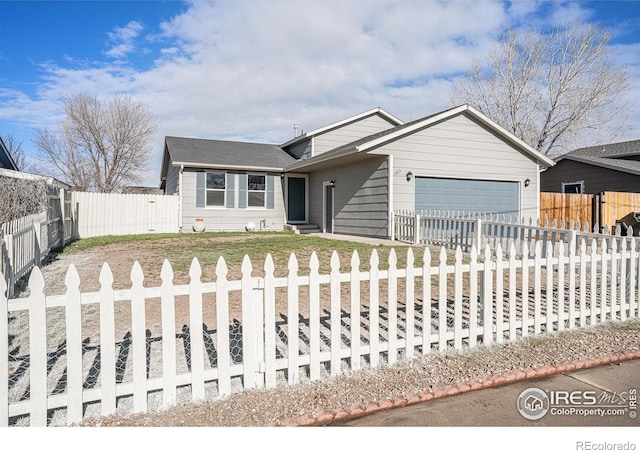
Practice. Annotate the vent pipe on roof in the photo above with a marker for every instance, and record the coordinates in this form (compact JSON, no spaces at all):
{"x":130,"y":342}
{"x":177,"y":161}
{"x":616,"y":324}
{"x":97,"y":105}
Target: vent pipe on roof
{"x":295,"y":130}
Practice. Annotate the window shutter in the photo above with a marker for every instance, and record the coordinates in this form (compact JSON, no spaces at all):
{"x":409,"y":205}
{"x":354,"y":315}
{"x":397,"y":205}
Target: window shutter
{"x":242,"y":190}
{"x":231,"y":193}
{"x":270,"y":189}
{"x":201,"y":178}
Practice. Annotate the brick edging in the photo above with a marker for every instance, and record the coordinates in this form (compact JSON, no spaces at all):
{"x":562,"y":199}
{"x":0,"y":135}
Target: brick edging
{"x":326,"y":417}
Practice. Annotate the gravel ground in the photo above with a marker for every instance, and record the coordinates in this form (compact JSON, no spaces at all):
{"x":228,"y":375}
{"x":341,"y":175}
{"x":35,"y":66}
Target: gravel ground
{"x":273,"y":407}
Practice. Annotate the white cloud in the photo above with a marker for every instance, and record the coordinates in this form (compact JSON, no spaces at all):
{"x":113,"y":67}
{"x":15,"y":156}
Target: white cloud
{"x":250,"y":70}
{"x":122,"y":39}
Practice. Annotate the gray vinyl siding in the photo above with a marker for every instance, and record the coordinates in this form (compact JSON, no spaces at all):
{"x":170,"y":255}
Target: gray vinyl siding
{"x":360,"y":197}
{"x":459,"y":148}
{"x":301,"y":150}
{"x":226,"y":218}
{"x":349,"y":133}
{"x":171,"y":183}
{"x":596,"y":179}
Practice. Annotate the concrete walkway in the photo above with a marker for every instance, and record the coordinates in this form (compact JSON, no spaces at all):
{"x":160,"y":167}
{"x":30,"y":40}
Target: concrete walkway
{"x":601,"y":396}
{"x":359,"y":239}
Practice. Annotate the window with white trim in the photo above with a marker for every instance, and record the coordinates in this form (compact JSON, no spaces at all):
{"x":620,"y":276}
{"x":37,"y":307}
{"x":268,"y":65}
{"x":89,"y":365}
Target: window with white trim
{"x":215,"y":188}
{"x":577,"y":187}
{"x":256,"y":191}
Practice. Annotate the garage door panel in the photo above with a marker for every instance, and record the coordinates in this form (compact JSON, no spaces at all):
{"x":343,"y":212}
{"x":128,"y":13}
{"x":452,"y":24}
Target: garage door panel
{"x":483,"y":196}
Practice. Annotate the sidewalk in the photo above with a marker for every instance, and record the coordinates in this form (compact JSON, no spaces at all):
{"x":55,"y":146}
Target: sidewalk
{"x":359,"y":239}
{"x":598,"y":396}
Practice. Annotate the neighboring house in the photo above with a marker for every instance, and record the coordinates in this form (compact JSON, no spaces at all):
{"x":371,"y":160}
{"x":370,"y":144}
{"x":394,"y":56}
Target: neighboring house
{"x":589,"y":170}
{"x":6,"y":161}
{"x":348,"y":177}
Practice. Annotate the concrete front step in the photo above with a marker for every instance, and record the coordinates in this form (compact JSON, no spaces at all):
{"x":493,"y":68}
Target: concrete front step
{"x":303,"y":228}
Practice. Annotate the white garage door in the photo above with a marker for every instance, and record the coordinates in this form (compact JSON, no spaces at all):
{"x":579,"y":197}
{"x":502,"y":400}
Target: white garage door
{"x":447,"y":194}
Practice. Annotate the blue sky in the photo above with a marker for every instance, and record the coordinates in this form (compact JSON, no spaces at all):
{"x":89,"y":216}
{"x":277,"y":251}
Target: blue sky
{"x":250,"y":70}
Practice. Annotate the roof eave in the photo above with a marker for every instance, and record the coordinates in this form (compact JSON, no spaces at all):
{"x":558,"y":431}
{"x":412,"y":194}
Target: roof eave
{"x":320,"y":159}
{"x":312,"y":133}
{"x":226,"y":166}
{"x":602,"y":164}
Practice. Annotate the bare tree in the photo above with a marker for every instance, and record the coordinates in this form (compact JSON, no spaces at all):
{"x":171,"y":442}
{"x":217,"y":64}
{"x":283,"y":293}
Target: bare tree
{"x":556,"y":90}
{"x":21,"y":197}
{"x":19,"y":157}
{"x":100,"y":146}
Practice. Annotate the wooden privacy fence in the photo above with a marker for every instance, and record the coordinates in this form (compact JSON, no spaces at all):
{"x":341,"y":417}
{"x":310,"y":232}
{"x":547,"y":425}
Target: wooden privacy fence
{"x":100,"y":214}
{"x":67,"y":357}
{"x":604,"y":209}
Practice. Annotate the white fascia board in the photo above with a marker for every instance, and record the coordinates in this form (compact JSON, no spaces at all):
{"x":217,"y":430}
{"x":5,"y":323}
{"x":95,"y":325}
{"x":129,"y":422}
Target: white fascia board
{"x":226,"y":167}
{"x":545,"y":160}
{"x":340,"y":123}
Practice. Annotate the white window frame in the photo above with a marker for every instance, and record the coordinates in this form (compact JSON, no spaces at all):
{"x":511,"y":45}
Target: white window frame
{"x":264,"y":192}
{"x":580,"y":183}
{"x":207,"y":190}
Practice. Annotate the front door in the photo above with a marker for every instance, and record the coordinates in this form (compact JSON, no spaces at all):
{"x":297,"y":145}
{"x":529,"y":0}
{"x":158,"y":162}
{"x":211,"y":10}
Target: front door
{"x":328,"y":208}
{"x":296,"y":199}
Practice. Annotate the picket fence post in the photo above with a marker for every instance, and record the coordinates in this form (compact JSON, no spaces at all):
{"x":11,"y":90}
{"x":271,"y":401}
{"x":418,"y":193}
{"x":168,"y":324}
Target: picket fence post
{"x":168,"y":314}
{"x":73,"y":327}
{"x":196,"y":333}
{"x":314,"y":317}
{"x":138,"y":340}
{"x":410,"y":334}
{"x":222,"y":328}
{"x":374,"y":309}
{"x":457,"y":300}
{"x":107,"y":342}
{"x":270,"y":323}
{"x":355,"y":311}
{"x":335,"y":314}
{"x":293,"y":322}
{"x":487,"y":298}
{"x":249,"y":327}
{"x":392,"y":305}
{"x":473,"y":298}
{"x":442,"y":301}
{"x":37,"y":350}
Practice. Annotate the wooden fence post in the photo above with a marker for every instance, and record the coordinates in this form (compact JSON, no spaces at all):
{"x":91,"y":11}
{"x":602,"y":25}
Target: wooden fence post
{"x":416,"y":230}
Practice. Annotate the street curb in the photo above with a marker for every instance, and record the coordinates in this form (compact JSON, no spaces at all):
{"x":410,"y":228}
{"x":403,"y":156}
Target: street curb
{"x":328,"y":417}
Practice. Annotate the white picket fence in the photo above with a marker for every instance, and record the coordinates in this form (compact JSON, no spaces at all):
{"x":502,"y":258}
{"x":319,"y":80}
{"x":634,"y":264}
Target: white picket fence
{"x":84,"y":354}
{"x":100,"y":214}
{"x":451,"y":229}
{"x":25,"y":242}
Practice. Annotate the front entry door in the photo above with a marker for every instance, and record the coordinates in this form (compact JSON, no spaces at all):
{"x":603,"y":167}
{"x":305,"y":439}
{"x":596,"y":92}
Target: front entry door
{"x":296,"y":199}
{"x":328,"y":208}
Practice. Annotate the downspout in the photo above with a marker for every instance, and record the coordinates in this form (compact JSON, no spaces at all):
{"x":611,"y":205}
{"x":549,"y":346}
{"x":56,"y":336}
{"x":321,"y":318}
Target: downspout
{"x":390,"y":219}
{"x":180,"y":197}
